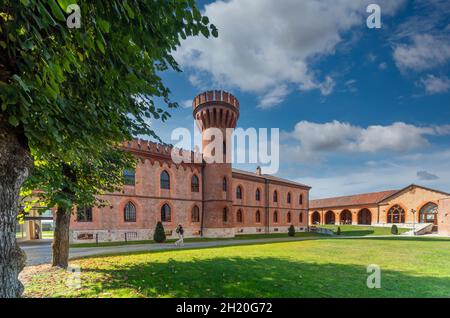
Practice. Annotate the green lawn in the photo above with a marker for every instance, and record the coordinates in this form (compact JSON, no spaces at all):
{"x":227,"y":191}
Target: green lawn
{"x":359,"y":230}
{"x":199,"y":239}
{"x":410,"y":267}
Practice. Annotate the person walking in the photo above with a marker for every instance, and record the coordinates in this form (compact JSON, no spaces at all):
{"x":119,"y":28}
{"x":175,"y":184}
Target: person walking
{"x":180,"y":232}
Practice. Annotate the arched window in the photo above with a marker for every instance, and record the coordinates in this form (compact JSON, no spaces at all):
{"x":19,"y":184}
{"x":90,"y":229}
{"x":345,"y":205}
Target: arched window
{"x":239,"y":192}
{"x":289,"y":217}
{"x":428,"y":213}
{"x":129,"y":212}
{"x":225,"y":215}
{"x":275,"y":196}
{"x":195,"y":214}
{"x":129,"y":177}
{"x":166,"y":213}
{"x":289,"y":198}
{"x":258,"y":217}
{"x":239,"y":218}
{"x":275,"y":217}
{"x":195,"y":185}
{"x":300,"y":199}
{"x":224,"y":185}
{"x":396,"y":214}
{"x":165,"y":180}
{"x":316,"y":217}
{"x":84,"y":214}
{"x":300,"y":217}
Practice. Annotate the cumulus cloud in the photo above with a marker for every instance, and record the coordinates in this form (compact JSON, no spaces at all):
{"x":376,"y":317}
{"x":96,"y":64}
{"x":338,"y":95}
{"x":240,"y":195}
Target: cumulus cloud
{"x":265,"y":45}
{"x":186,"y":103}
{"x":435,"y":85}
{"x":337,"y":136}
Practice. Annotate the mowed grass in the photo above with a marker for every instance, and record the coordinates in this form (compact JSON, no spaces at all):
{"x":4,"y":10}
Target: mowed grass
{"x":410,"y":267}
{"x":360,"y":230}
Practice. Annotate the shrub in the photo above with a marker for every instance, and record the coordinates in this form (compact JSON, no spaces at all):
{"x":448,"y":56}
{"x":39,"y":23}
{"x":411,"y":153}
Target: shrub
{"x":291,"y":231}
{"x":160,"y":235}
{"x":338,"y":232}
{"x":394,"y":230}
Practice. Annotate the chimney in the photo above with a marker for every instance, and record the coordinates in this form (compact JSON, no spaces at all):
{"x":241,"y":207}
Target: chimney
{"x":258,"y":171}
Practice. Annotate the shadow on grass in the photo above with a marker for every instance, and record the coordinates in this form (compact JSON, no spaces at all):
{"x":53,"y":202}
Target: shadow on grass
{"x":258,"y":277}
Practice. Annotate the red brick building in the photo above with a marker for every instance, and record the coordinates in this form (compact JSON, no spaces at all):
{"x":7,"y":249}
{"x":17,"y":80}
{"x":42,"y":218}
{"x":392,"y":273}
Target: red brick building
{"x":208,"y":199}
{"x":407,"y":207}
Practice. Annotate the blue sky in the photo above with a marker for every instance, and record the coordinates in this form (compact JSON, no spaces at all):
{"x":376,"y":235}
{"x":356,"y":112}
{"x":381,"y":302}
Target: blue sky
{"x":358,"y":109}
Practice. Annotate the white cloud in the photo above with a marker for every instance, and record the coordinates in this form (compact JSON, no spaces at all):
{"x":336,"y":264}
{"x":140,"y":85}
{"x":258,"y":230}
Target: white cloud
{"x":435,"y":85}
{"x":265,"y":45}
{"x":425,"y":52}
{"x":274,"y":97}
{"x":186,"y":103}
{"x":336,"y":136}
{"x":395,"y":174}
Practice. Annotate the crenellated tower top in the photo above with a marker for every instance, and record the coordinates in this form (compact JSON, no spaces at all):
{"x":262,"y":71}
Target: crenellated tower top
{"x":218,"y":109}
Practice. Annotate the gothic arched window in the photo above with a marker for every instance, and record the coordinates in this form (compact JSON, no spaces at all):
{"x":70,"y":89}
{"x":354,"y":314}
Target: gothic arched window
{"x":165,"y":180}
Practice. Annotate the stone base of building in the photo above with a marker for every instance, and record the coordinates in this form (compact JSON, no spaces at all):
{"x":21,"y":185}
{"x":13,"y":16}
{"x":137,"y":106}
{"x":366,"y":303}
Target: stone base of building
{"x":218,"y":232}
{"x":93,"y":236}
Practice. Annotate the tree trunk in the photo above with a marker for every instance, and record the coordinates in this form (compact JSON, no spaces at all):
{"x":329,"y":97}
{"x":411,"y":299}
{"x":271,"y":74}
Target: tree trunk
{"x":61,"y":238}
{"x":15,"y":165}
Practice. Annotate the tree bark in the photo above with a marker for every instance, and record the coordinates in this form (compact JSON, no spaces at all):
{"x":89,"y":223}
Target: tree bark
{"x":15,"y":165}
{"x":61,"y":238}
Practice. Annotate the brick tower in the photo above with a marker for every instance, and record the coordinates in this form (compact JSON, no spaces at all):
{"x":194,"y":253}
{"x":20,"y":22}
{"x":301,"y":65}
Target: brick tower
{"x":217,"y":109}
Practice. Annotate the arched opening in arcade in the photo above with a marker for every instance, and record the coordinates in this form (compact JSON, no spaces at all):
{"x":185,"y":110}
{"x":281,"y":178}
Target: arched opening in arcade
{"x":365,"y":217}
{"x":315,"y":218}
{"x":346,"y":217}
{"x":330,"y":218}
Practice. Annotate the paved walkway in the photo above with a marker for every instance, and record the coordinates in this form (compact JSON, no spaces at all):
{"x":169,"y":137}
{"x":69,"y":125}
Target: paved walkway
{"x":40,"y":252}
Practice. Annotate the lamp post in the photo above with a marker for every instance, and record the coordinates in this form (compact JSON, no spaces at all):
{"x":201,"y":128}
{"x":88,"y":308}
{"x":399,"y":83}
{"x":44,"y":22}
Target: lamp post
{"x":414,"y":221}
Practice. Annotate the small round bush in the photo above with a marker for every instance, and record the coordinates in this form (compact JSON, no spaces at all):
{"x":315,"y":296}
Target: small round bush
{"x":160,"y":235}
{"x":394,"y":230}
{"x":291,"y":231}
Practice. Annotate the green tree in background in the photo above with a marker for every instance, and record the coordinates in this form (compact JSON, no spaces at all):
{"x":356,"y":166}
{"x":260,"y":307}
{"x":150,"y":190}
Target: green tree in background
{"x":67,"y":94}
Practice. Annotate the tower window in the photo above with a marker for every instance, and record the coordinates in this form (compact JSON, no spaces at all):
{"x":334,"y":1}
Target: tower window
{"x":165,"y":180}
{"x":289,"y":197}
{"x":195,"y":185}
{"x":225,"y":215}
{"x":289,"y":217}
{"x":300,"y":200}
{"x":239,"y":192}
{"x":258,"y":195}
{"x":275,"y":217}
{"x":224,"y":185}
{"x":275,"y":196}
